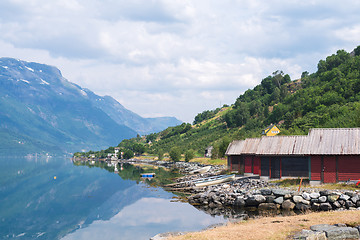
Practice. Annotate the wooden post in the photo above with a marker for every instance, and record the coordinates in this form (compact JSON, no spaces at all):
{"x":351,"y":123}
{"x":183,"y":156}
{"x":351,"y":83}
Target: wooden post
{"x":300,"y":184}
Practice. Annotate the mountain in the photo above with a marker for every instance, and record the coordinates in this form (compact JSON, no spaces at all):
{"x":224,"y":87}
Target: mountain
{"x":123,"y":116}
{"x":328,"y":98}
{"x":42,"y":111}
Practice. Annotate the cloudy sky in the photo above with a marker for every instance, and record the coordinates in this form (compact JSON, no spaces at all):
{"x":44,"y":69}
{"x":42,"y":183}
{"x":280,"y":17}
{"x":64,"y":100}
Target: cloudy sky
{"x":176,"y":57}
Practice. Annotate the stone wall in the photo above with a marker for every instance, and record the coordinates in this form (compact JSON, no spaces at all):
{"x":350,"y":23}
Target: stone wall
{"x":277,"y":198}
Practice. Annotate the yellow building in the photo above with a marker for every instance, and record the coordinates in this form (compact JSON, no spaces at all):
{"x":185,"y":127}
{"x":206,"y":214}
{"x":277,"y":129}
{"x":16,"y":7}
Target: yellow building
{"x":271,"y":130}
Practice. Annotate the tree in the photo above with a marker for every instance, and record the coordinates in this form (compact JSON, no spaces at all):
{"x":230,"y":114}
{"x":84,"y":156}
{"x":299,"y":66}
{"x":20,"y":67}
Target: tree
{"x":175,"y":154}
{"x":223,"y":146}
{"x":189,"y":154}
{"x":160,"y":155}
{"x":128,"y":154}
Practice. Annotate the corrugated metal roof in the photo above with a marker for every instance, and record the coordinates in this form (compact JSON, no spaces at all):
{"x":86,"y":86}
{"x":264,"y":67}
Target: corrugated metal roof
{"x":282,"y":145}
{"x":319,"y":141}
{"x":247,"y":146}
{"x":334,"y":141}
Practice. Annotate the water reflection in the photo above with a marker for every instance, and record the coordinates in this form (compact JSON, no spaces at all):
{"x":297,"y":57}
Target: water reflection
{"x":133,"y":172}
{"x":35,"y":204}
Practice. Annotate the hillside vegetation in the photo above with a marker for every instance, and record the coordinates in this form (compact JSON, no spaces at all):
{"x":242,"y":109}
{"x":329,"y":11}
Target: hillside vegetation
{"x":329,"y":98}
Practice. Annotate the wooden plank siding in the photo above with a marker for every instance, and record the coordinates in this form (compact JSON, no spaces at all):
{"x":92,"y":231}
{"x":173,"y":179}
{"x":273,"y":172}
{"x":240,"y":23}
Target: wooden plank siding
{"x":315,"y":162}
{"x":349,"y":168}
{"x":248,"y":164}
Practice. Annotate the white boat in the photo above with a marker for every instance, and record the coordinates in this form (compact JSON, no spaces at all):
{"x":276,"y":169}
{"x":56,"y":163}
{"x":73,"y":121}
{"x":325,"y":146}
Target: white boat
{"x":201,"y":170}
{"x":214,"y":180}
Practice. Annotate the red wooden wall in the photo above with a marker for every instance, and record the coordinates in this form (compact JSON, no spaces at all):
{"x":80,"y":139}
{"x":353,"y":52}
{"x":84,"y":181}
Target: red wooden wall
{"x":248,"y":164}
{"x":349,"y":168}
{"x":315,"y":168}
{"x":329,"y":169}
{"x":256,"y":161}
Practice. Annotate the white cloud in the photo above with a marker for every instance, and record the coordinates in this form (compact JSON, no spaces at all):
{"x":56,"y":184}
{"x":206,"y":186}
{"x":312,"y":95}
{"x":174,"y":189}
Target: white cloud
{"x":168,"y":57}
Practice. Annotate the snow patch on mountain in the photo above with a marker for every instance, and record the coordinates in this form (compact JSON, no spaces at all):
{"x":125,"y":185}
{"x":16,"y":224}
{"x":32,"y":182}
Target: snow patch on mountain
{"x":44,"y":82}
{"x":30,"y":69}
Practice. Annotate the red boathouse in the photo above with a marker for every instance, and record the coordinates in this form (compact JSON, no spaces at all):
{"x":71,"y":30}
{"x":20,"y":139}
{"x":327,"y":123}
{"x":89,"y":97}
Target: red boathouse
{"x":325,"y":155}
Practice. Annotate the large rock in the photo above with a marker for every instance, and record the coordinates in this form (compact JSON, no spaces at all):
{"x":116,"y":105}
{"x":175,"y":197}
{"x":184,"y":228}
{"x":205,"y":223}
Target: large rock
{"x":302,"y":207}
{"x":336,"y":204}
{"x":325,"y":206}
{"x":279,"y":200}
{"x":288,"y":205}
{"x":351,"y":194}
{"x":322,"y":227}
{"x":306,"y":196}
{"x":325,"y":192}
{"x":349,"y":204}
{"x":315,"y":206}
{"x":355,"y":198}
{"x":338,"y":233}
{"x":255,"y":200}
{"x":322,"y":199}
{"x":265,"y":191}
{"x":314,"y":195}
{"x":267,"y":206}
{"x":270,"y":198}
{"x":333,"y":197}
{"x":239,"y":202}
{"x":310,"y":235}
{"x":344,"y":197}
{"x":280,"y":192}
{"x":298,"y":199}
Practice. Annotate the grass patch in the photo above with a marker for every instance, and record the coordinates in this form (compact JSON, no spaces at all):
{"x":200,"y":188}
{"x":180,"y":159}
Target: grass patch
{"x":209,"y":161}
{"x":292,"y":183}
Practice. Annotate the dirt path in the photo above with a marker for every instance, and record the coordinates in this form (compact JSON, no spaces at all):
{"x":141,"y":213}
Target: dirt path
{"x":274,"y":227}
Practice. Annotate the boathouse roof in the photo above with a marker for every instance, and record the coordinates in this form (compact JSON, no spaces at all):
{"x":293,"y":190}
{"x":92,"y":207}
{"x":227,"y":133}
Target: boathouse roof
{"x":319,"y":141}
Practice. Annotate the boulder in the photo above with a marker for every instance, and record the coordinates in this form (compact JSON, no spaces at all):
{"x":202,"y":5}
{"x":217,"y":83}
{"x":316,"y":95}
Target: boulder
{"x":265,"y":191}
{"x":315,"y":206}
{"x":270,"y":198}
{"x":267,"y":206}
{"x":298,"y":199}
{"x":325,"y":206}
{"x":322,"y":199}
{"x":255,"y":200}
{"x":333,"y":197}
{"x":349,"y":204}
{"x":306,"y":196}
{"x":322,"y":227}
{"x":239,"y":202}
{"x":344,"y":197}
{"x":336,"y":204}
{"x":310,"y":235}
{"x":351,"y":194}
{"x":314,"y":195}
{"x":325,"y":192}
{"x":279,"y":200}
{"x":355,"y":198}
{"x":342,"y":233}
{"x":302,"y":206}
{"x":280,"y":192}
{"x":288,"y":205}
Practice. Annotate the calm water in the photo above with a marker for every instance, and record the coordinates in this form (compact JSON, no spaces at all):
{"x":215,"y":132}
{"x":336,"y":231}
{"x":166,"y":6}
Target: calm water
{"x":52,"y":198}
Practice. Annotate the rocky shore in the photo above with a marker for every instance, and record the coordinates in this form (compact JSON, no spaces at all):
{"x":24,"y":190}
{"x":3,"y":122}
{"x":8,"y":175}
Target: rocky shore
{"x":254,"y":193}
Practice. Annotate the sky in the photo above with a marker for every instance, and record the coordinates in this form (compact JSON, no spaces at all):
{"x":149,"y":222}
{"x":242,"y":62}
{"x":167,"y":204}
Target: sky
{"x":176,"y":57}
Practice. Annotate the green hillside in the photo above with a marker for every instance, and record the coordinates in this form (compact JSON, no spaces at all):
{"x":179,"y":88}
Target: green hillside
{"x":329,"y":98}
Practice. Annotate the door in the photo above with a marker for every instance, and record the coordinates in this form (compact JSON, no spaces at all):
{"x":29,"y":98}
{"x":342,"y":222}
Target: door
{"x":329,"y":169}
{"x":275,"y":167}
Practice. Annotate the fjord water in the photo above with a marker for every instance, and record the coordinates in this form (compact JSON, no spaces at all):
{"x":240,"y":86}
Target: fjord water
{"x":52,"y":198}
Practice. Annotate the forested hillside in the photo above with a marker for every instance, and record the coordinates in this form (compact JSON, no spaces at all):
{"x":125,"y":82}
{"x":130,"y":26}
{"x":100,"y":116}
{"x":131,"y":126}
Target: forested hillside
{"x":329,"y":98}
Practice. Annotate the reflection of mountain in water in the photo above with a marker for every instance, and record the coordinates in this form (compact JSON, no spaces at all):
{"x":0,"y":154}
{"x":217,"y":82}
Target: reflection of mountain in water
{"x":119,"y":200}
{"x":36,"y":204}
